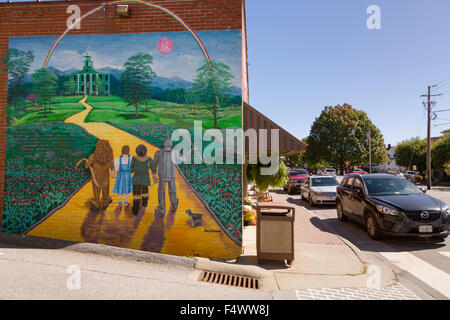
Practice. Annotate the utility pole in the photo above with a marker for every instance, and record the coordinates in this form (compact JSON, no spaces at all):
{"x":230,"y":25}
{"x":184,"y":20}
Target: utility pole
{"x":429,"y":103}
{"x":369,"y":142}
{"x":429,"y":141}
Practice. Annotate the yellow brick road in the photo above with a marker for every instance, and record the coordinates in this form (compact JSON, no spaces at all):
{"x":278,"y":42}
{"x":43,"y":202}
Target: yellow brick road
{"x":171,"y":234}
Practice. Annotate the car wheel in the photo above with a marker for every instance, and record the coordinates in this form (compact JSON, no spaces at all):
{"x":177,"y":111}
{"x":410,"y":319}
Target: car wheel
{"x":372,"y":227}
{"x":340,"y":212}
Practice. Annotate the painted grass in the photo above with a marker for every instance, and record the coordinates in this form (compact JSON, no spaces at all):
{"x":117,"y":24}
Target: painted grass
{"x":114,"y":109}
{"x":61,"y":109}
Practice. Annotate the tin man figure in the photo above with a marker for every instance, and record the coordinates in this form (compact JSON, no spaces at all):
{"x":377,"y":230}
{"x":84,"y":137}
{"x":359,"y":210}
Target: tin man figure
{"x":166,"y":173}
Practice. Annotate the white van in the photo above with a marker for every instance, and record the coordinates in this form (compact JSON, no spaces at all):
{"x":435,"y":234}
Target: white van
{"x":329,"y":172}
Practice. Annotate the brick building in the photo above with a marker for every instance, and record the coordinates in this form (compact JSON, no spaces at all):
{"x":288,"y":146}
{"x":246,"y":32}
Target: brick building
{"x":66,"y":137}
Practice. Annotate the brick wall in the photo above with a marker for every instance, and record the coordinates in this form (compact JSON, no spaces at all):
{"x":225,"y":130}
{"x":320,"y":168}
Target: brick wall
{"x":49,"y":18}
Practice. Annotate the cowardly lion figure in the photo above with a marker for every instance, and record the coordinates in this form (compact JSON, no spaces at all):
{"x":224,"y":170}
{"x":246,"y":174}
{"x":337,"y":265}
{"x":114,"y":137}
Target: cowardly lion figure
{"x":101,"y":162}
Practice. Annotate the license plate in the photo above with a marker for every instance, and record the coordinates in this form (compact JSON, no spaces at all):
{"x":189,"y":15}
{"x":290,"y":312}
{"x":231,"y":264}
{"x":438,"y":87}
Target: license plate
{"x":425,"y":229}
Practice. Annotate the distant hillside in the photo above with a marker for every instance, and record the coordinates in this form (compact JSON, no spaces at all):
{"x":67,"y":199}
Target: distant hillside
{"x":164,"y":83}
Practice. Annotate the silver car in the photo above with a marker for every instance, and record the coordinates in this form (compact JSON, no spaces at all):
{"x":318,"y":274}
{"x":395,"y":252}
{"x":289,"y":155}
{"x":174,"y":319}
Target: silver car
{"x":319,"y":190}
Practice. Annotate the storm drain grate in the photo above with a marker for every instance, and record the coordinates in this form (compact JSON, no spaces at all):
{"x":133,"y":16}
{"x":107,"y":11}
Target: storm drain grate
{"x":230,"y":280}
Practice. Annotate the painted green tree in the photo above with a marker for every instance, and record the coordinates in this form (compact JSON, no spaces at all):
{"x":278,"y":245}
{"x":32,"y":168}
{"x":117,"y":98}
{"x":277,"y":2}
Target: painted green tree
{"x":339,"y":134}
{"x":98,"y":85}
{"x":71,"y":87}
{"x":45,"y":85}
{"x":136,"y":79}
{"x":17,"y":63}
{"x":212,"y":92}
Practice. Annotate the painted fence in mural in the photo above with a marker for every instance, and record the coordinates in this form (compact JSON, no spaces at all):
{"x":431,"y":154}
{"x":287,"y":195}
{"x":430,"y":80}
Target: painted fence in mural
{"x":100,"y":96}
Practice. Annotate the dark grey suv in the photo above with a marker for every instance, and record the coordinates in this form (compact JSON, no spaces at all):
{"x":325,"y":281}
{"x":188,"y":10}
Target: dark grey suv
{"x":388,"y":204}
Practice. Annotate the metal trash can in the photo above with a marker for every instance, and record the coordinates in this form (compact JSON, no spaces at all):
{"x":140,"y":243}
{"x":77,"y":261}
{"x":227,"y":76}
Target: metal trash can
{"x":275,"y":232}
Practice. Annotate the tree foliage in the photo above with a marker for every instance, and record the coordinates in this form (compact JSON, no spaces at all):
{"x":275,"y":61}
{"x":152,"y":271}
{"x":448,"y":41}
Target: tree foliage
{"x":205,"y":88}
{"x":440,"y":153}
{"x":294,"y":160}
{"x":17,"y":63}
{"x":339,"y":134}
{"x":412,"y":152}
{"x":45,"y":84}
{"x":263,"y":182}
{"x":137,"y":78}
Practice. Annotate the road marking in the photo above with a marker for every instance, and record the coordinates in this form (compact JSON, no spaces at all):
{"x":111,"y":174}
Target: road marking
{"x":445,"y":253}
{"x":432,"y":276}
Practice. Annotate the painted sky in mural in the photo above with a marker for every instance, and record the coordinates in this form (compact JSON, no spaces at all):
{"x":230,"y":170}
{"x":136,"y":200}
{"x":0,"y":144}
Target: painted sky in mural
{"x":112,"y":50}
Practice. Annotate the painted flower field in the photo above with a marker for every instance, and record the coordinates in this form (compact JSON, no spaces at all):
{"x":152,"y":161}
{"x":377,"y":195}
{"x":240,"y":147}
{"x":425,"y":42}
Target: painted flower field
{"x":40,"y":170}
{"x":220,"y":186}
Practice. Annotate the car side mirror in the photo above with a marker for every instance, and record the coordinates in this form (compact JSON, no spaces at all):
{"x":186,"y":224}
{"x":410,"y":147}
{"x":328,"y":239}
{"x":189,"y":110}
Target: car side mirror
{"x":423,"y":190}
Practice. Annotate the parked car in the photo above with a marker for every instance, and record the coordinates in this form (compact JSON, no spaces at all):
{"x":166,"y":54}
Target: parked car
{"x":413,"y":176}
{"x":319,"y":190}
{"x":360,"y":171}
{"x":329,"y":172}
{"x":294,"y":179}
{"x":388,"y":204}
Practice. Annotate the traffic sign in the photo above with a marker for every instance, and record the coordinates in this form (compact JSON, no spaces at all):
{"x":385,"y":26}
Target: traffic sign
{"x":347,"y":163}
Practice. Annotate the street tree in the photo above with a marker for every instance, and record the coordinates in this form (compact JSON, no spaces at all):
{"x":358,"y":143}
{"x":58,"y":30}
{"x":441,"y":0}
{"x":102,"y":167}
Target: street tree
{"x":212,"y":92}
{"x":412,"y":152}
{"x":339,"y":134}
{"x":293,"y":160}
{"x":17,"y":63}
{"x":137,"y":78}
{"x":440,"y":154}
{"x":45,"y":84}
{"x":263,"y":182}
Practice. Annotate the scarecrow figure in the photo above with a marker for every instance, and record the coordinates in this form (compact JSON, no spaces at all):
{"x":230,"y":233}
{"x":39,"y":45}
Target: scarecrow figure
{"x":100,"y":162}
{"x":140,"y":165}
{"x":166,"y":173}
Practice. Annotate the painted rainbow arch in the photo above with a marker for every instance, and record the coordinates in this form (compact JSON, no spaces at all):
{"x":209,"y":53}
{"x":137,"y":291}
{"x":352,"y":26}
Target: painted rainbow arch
{"x":153,"y":5}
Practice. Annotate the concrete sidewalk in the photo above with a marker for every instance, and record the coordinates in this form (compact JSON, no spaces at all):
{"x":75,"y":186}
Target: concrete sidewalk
{"x":322,"y":260}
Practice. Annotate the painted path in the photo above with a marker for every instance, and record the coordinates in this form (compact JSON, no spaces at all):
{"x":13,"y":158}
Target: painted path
{"x":171,"y":234}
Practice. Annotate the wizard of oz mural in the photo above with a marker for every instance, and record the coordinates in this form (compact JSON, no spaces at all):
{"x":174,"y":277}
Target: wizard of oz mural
{"x":88,"y":155}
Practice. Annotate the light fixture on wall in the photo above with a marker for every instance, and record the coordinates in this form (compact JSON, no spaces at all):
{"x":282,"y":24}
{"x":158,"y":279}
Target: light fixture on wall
{"x":123,"y":11}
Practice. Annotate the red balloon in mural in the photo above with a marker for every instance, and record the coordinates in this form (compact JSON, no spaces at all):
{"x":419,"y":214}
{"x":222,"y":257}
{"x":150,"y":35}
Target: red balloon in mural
{"x":165,"y":45}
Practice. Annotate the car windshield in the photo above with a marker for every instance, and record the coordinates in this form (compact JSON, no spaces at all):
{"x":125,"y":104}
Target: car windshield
{"x":329,"y":170}
{"x":297,"y":173}
{"x":390,"y":186}
{"x":323,"y":182}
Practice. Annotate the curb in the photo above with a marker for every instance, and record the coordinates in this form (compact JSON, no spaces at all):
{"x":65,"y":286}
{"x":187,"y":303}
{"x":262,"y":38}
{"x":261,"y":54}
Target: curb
{"x":205,"y":264}
{"x":99,"y":249}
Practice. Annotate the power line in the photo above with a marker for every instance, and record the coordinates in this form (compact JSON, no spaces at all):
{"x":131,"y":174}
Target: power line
{"x":440,"y":82}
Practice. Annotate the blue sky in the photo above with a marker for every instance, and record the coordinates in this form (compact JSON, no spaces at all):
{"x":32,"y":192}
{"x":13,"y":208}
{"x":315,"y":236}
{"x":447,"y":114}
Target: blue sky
{"x":307,"y":54}
{"x":112,"y":50}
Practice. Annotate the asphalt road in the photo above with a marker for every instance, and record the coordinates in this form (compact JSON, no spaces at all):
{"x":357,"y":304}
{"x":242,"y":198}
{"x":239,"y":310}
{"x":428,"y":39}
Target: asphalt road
{"x":423,"y":265}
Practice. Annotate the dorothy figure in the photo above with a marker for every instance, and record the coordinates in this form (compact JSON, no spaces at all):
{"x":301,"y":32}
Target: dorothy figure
{"x":123,"y":185}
